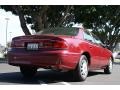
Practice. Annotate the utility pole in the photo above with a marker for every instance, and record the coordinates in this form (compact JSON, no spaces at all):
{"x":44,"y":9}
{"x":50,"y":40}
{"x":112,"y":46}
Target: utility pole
{"x":6,"y":30}
{"x":10,"y":33}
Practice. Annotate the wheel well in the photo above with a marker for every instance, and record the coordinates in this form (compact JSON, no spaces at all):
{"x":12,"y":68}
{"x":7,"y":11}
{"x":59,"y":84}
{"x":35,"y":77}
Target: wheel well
{"x":88,"y":56}
{"x":112,"y":58}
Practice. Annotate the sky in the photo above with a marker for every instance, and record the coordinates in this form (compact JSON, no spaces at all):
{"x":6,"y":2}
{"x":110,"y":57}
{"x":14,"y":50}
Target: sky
{"x":13,"y":29}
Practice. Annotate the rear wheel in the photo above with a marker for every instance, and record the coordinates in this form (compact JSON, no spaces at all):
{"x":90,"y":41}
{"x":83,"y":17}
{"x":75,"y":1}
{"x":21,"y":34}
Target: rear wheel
{"x":109,"y":67}
{"x":81,"y":72}
{"x":28,"y":72}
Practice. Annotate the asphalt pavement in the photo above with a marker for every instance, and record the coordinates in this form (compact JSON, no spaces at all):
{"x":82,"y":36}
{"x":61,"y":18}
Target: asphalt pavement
{"x":10,"y":75}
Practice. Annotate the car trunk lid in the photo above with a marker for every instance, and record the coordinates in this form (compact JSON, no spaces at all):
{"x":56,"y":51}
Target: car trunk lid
{"x":40,"y":41}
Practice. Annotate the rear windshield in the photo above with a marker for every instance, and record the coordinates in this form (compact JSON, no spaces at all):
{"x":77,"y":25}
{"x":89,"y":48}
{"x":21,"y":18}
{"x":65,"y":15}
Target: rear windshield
{"x":60,"y":31}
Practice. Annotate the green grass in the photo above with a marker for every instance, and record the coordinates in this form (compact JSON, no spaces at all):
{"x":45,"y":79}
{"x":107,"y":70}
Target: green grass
{"x":117,"y":60}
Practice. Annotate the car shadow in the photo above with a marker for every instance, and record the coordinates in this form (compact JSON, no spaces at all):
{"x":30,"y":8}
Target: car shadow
{"x":94,"y":73}
{"x":42,"y":77}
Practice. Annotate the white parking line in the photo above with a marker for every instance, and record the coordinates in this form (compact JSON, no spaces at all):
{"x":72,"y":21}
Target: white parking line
{"x":65,"y":83}
{"x":42,"y":83}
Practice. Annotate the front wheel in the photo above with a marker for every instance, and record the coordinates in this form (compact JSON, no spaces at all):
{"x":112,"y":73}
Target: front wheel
{"x":28,"y":72}
{"x":109,"y":67}
{"x":81,"y":71}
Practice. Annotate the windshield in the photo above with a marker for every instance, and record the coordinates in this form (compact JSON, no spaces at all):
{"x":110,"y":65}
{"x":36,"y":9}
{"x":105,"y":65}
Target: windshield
{"x":60,"y":31}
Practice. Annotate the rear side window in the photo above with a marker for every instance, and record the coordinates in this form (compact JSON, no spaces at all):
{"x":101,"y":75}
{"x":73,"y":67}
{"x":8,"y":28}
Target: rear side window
{"x":60,"y":31}
{"x":88,"y":37}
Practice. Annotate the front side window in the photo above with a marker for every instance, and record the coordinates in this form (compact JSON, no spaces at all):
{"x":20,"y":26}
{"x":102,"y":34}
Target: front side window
{"x":97,"y":40}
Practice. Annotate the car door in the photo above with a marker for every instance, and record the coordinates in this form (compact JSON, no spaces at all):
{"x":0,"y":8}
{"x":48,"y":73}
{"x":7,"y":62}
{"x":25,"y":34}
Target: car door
{"x":93,"y":49}
{"x":103,"y":57}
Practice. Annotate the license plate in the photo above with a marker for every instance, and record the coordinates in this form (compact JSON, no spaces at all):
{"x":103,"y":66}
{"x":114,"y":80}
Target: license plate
{"x":32,"y":46}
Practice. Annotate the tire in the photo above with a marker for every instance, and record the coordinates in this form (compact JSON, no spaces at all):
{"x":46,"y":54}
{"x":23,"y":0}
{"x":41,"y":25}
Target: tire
{"x":109,"y":67}
{"x":28,"y":72}
{"x":81,"y":71}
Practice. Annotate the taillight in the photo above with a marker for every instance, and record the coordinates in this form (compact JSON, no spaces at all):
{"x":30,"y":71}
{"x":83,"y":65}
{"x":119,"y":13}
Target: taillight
{"x":42,"y":44}
{"x":12,"y":44}
{"x":16,"y":44}
{"x":55,"y":44}
{"x":60,"y":44}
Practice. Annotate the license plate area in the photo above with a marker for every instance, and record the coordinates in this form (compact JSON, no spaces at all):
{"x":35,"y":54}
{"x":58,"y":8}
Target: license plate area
{"x":32,"y":46}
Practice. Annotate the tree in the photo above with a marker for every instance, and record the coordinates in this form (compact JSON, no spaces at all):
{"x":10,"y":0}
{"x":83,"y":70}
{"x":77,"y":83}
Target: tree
{"x":2,"y":49}
{"x":104,"y":20}
{"x":40,"y":16}
{"x":17,"y":10}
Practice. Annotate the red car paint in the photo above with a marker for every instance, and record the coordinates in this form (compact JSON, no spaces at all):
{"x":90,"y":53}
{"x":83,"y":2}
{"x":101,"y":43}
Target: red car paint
{"x":60,"y":52}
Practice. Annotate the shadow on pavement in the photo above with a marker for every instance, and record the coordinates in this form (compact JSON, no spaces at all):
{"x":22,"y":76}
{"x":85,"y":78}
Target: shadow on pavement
{"x":42,"y":77}
{"x":117,"y":63}
{"x":3,"y":60}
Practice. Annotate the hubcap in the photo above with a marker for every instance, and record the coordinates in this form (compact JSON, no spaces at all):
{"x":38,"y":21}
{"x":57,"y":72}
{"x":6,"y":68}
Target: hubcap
{"x":83,"y":68}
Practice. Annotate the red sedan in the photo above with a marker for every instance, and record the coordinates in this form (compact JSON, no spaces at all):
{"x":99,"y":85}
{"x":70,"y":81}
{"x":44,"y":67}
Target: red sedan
{"x":64,"y":49}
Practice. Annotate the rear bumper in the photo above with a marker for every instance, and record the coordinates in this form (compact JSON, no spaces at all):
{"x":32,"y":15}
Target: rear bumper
{"x":61,"y":59}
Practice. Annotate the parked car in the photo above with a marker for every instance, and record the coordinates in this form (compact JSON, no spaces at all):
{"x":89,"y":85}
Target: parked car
{"x":64,"y":49}
{"x":116,"y":55}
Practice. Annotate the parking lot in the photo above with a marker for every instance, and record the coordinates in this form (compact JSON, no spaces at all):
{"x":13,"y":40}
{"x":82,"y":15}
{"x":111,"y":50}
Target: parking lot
{"x":11,"y":75}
